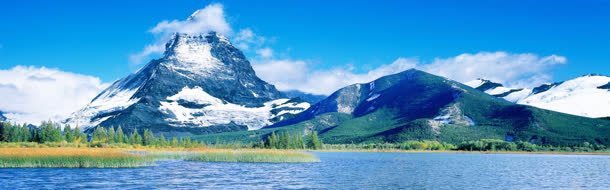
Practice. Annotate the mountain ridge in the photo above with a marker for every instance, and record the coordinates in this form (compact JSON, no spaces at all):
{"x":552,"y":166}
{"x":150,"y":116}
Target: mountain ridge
{"x":201,"y":84}
{"x":587,"y":95}
{"x":414,"y":105}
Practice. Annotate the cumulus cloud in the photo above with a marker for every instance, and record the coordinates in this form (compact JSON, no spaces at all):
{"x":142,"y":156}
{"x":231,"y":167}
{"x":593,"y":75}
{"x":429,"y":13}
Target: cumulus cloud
{"x":265,"y":52}
{"x":297,"y":74}
{"x":150,"y":49}
{"x":519,"y":70}
{"x":209,"y":18}
{"x":247,"y":40}
{"x":33,"y":94}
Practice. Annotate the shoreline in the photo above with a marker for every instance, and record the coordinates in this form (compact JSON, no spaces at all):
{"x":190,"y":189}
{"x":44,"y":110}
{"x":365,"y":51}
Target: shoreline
{"x":464,"y":152}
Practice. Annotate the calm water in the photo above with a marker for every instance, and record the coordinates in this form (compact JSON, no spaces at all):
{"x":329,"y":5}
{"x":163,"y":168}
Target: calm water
{"x":339,"y":171}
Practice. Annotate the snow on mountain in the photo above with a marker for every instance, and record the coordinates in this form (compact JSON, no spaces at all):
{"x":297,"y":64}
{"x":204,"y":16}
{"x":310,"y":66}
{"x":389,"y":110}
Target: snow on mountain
{"x":498,"y":90}
{"x":202,"y":81}
{"x":580,"y":96}
{"x":196,"y":107}
{"x":587,"y":96}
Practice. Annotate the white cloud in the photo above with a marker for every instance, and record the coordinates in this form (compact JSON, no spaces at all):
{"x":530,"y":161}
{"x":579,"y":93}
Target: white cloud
{"x":265,"y":52}
{"x":147,"y":51}
{"x":32,"y":94}
{"x":210,"y":18}
{"x":298,"y":75}
{"x":520,"y":70}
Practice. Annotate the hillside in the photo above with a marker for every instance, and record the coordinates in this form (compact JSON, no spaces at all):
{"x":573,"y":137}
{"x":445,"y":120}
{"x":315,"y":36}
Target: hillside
{"x":414,"y":105}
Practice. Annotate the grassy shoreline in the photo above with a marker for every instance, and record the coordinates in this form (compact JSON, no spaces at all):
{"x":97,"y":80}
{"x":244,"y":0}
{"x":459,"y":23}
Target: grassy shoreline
{"x":606,"y":153}
{"x":86,"y":157}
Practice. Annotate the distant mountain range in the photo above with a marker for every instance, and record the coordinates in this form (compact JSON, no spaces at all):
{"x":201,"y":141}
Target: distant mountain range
{"x":415,"y":105}
{"x":587,"y":96}
{"x":202,"y":84}
{"x":307,"y":97}
{"x":206,"y":87}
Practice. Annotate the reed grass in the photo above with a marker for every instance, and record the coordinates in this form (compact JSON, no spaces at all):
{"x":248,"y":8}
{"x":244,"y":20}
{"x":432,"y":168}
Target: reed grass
{"x":86,"y":157}
{"x":251,"y":156}
{"x":71,"y":158}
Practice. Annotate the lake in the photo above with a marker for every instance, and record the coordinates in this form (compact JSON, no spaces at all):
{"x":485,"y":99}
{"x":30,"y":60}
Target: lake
{"x":339,"y":170}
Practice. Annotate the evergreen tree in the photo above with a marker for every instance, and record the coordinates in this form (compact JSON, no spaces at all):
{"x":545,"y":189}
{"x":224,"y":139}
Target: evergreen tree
{"x":79,"y":136}
{"x":149,"y":138}
{"x":3,"y":131}
{"x":13,"y":133}
{"x":100,"y":135}
{"x":162,"y":142}
{"x":175,"y":142}
{"x":135,"y":138}
{"x":284,"y":138}
{"x":68,"y":134}
{"x":48,"y":132}
{"x":120,"y":136}
{"x":111,"y":135}
{"x":273,"y":141}
{"x":314,"y":142}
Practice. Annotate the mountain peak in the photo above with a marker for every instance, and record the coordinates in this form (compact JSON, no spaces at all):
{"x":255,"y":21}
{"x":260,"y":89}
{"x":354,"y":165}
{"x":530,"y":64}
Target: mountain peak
{"x":183,"y":43}
{"x":201,"y":84}
{"x":483,"y":84}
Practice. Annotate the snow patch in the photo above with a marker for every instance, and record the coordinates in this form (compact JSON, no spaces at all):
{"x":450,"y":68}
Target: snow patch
{"x":580,"y":96}
{"x":218,"y":112}
{"x":475,"y":83}
{"x":373,"y":97}
{"x":108,"y":102}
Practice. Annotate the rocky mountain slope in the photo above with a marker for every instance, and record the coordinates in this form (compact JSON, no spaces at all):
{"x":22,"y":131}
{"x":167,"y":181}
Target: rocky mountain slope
{"x":202,"y":84}
{"x":2,"y":118}
{"x":416,"y":105}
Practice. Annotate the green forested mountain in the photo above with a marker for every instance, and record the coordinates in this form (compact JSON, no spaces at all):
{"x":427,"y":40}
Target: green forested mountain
{"x":415,"y":105}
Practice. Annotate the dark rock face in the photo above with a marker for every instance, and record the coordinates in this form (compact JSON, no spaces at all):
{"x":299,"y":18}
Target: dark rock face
{"x":488,"y":85}
{"x":2,"y":118}
{"x":544,"y":87}
{"x":606,"y":86}
{"x":208,"y":62}
{"x":507,"y":93}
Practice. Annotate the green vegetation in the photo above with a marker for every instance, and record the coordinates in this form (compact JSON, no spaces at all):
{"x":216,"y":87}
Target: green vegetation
{"x":285,"y":140}
{"x":52,"y":135}
{"x":270,"y":156}
{"x":69,"y":158}
{"x":490,"y":145}
{"x":500,"y":145}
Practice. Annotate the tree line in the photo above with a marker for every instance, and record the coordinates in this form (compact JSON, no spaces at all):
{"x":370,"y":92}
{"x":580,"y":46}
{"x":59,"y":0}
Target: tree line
{"x":102,"y":135}
{"x":286,"y":140}
{"x":49,"y":132}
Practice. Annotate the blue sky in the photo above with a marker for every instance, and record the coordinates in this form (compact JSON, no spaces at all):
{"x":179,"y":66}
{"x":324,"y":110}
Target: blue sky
{"x":96,"y":37}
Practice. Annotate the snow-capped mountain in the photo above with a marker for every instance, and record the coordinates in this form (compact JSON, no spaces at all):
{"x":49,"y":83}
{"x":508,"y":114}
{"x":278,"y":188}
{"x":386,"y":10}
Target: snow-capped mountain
{"x":587,"y":96}
{"x":499,"y":90}
{"x":201,"y":84}
{"x":415,"y":105}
